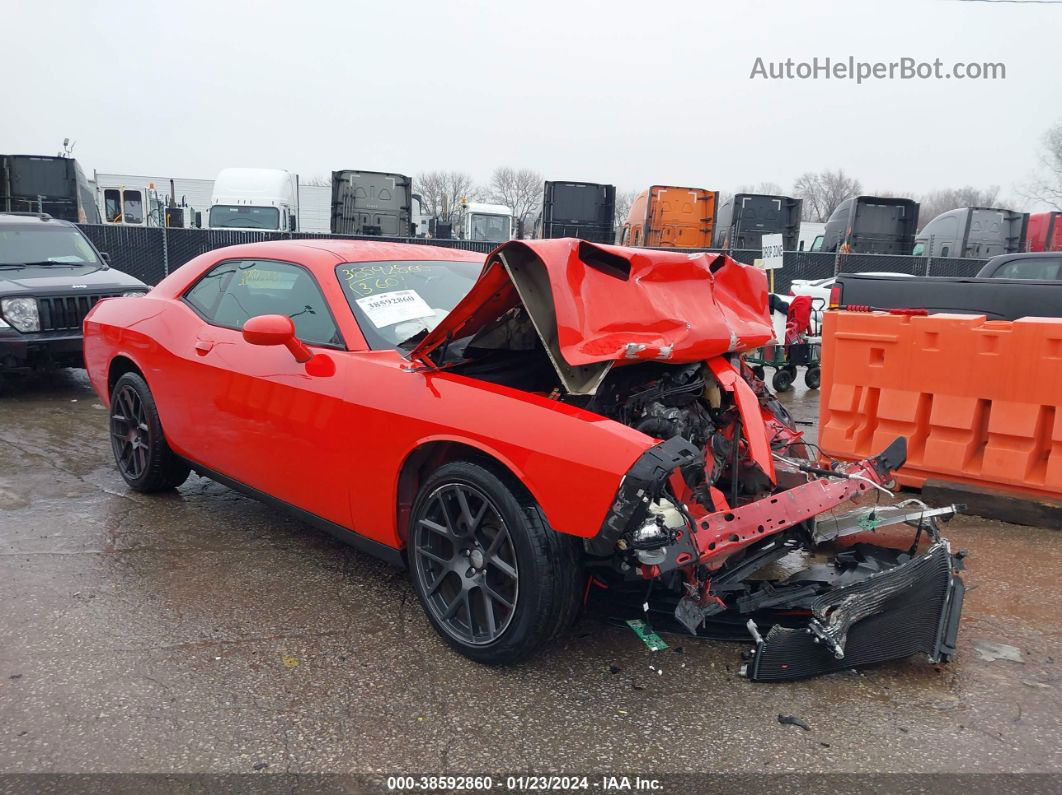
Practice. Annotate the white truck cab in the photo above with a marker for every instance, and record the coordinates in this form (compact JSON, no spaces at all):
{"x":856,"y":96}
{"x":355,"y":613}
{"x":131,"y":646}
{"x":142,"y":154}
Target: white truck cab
{"x":265,"y":199}
{"x":489,"y":222}
{"x":811,"y":235}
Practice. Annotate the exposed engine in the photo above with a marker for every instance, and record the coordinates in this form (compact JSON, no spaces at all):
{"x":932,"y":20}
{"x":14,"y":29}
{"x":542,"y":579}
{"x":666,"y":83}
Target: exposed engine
{"x":730,"y":493}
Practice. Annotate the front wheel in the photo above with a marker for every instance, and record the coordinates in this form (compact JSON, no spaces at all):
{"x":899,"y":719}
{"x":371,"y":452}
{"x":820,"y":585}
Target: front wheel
{"x":143,"y":457}
{"x":495,"y":580}
{"x":783,"y":380}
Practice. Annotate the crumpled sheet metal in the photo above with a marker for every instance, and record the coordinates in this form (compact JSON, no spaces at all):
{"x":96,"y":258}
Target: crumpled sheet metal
{"x":613,"y":303}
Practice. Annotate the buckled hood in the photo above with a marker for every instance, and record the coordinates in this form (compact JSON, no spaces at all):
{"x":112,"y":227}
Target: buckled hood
{"x":595,"y":305}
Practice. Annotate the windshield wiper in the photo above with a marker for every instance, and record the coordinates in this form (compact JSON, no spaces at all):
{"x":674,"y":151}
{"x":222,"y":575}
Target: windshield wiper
{"x":52,"y":262}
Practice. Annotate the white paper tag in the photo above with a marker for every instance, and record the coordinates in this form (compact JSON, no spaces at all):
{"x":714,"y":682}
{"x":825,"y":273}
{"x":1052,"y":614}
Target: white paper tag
{"x":386,"y":309}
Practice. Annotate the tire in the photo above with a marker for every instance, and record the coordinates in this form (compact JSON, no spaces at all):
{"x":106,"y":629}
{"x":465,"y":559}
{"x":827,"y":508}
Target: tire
{"x":759,"y":372}
{"x":500,"y":590}
{"x":783,"y":380}
{"x":812,"y":378}
{"x":141,"y":454}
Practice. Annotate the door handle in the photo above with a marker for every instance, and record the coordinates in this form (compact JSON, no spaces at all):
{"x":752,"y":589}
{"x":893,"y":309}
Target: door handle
{"x":203,"y":347}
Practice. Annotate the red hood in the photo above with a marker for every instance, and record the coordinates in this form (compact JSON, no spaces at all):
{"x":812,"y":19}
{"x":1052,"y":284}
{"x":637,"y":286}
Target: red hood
{"x":594,"y":305}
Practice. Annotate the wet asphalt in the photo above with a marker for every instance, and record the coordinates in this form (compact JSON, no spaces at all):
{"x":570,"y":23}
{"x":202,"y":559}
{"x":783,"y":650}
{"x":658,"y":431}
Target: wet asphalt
{"x":201,"y":631}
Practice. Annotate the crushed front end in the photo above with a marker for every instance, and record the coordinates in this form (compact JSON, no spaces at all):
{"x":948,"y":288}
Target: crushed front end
{"x":727,"y":525}
{"x":735,"y":530}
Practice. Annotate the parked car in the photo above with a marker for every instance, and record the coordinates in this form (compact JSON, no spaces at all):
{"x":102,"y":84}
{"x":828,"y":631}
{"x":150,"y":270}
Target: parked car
{"x":1007,"y":287}
{"x":1045,"y":266}
{"x":567,"y":417}
{"x":50,"y":277}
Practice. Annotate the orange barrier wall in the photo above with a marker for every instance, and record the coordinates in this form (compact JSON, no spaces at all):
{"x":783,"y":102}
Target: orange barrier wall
{"x":979,"y":401}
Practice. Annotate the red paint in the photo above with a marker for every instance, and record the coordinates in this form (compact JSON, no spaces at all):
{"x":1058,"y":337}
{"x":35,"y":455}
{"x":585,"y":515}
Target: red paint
{"x":329,"y":431}
{"x":1044,"y":232}
{"x":670,"y":306}
{"x":334,"y":444}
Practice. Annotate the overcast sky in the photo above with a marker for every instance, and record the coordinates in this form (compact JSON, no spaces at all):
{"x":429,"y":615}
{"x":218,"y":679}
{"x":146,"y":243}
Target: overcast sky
{"x":628,"y":93}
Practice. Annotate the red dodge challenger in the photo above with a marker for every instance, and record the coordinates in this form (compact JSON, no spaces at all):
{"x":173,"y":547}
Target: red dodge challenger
{"x":563,"y":423}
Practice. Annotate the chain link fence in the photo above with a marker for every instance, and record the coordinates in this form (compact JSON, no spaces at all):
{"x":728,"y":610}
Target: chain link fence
{"x":152,"y":253}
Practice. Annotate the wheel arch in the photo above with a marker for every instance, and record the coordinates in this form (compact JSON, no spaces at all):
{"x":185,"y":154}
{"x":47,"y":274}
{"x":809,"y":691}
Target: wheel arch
{"x":430,"y":454}
{"x":120,"y":365}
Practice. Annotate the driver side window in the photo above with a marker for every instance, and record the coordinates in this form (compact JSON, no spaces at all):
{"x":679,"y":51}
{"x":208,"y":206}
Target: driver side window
{"x":232,"y":292}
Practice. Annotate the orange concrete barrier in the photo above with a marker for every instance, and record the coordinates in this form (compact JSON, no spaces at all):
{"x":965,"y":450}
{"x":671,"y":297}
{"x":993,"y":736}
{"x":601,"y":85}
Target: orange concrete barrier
{"x":980,"y":402}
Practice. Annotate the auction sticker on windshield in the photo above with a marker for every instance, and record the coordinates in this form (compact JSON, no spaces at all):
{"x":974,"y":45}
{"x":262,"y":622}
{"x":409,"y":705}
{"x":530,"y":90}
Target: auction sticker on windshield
{"x":386,"y":309}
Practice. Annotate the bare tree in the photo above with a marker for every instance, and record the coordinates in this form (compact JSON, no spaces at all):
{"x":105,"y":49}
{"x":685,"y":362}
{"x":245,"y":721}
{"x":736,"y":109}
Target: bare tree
{"x":317,"y":181}
{"x":766,"y":188}
{"x":624,"y":200}
{"x":822,"y":192}
{"x":519,"y":189}
{"x":1046,"y":185}
{"x":940,"y":201}
{"x":442,"y":192}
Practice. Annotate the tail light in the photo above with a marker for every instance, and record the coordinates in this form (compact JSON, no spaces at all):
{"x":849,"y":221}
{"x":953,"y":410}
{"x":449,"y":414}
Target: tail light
{"x":835,"y":296}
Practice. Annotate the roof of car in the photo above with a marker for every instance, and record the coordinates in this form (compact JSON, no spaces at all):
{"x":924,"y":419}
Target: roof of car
{"x":1028,"y":255}
{"x":30,"y":219}
{"x":357,"y":250}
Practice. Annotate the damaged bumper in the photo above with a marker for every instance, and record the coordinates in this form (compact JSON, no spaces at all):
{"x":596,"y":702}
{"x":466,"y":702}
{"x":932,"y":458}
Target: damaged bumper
{"x":909,"y":609}
{"x":814,"y":597}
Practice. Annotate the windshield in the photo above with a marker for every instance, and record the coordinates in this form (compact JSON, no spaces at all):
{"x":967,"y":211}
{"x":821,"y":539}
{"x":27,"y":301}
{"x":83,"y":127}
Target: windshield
{"x":227,"y":216}
{"x":394,"y":301}
{"x":492,"y":228}
{"x":58,"y":244}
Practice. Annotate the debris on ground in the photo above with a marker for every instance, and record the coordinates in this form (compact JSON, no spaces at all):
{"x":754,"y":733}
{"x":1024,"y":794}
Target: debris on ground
{"x":614,"y":669}
{"x":990,"y":652}
{"x":289,"y":661}
{"x":646,"y":633}
{"x":1030,"y":683}
{"x":792,"y":720}
{"x":260,"y":765}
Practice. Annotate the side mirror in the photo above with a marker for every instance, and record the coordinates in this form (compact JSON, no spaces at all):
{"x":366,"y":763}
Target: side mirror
{"x":291,"y":223}
{"x":106,"y":257}
{"x":198,"y":219}
{"x":275,"y":330}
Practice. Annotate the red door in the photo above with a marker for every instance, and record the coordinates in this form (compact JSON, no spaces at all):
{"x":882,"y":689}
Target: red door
{"x":254,"y":414}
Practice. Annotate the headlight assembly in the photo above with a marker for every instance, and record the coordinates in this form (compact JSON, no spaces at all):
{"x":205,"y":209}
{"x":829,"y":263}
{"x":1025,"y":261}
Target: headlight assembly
{"x":21,"y":313}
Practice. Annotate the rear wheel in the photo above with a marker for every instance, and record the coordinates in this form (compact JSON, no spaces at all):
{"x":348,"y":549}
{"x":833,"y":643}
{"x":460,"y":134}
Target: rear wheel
{"x":812,"y":377}
{"x":495,"y":580}
{"x":144,"y":459}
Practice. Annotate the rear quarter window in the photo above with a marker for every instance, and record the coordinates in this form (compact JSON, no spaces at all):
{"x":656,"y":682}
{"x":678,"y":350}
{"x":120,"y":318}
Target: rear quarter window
{"x":1040,"y":268}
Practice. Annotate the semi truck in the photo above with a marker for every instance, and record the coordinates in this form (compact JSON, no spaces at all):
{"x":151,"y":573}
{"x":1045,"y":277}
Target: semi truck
{"x":1044,"y":232}
{"x":872,"y":225}
{"x":585,"y":210}
{"x":973,"y":232}
{"x":811,"y":234}
{"x":491,"y":223}
{"x":261,"y":199}
{"x":41,"y":184}
{"x":744,"y":219}
{"x":666,"y":216}
{"x":372,"y":203}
